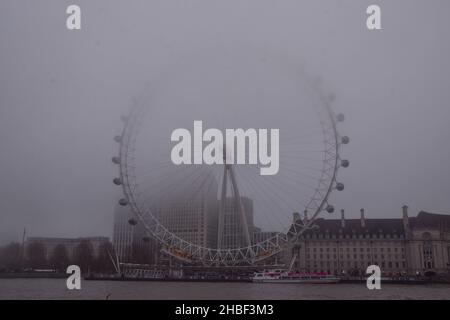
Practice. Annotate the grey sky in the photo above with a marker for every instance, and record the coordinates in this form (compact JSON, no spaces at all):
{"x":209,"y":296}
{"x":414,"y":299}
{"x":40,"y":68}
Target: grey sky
{"x":62,"y":93}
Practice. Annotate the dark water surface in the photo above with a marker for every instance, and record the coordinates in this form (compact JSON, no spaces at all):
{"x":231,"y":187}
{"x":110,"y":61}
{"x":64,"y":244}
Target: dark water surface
{"x":56,"y":289}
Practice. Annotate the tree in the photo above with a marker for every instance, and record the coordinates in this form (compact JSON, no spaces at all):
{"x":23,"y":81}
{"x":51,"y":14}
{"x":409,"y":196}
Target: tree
{"x":103,"y":261}
{"x":60,"y":259}
{"x":142,"y":252}
{"x":37,"y":255}
{"x":11,"y":256}
{"x":84,"y":256}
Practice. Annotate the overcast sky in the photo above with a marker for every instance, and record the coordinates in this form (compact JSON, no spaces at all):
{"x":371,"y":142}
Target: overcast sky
{"x":62,"y":94}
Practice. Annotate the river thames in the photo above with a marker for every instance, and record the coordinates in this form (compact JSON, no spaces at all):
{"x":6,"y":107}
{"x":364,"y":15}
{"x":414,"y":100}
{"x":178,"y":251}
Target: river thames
{"x":56,"y":289}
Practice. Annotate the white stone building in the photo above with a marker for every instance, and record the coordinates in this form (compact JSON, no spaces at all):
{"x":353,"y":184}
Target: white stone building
{"x":408,"y":245}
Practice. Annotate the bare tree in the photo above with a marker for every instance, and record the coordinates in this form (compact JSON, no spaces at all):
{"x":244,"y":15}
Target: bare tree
{"x":37,"y":255}
{"x":103,"y":260}
{"x":84,"y":255}
{"x":60,"y":258}
{"x":10,"y":256}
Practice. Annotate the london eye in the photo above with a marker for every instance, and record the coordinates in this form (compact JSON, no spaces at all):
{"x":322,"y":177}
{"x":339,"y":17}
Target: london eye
{"x":229,"y":214}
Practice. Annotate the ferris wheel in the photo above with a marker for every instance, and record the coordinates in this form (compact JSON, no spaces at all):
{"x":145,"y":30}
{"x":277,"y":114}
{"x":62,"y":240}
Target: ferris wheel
{"x":237,"y":216}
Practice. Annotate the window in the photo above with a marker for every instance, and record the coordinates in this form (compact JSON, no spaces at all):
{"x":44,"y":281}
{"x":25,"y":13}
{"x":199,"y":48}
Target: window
{"x":427,"y":251}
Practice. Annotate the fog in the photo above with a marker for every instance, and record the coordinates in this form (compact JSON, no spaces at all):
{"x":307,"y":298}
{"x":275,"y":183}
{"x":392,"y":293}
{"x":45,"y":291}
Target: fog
{"x":62,"y":94}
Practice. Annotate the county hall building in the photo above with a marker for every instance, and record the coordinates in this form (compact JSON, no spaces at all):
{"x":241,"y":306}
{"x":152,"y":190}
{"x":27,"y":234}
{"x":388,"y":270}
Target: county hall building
{"x":408,"y":245}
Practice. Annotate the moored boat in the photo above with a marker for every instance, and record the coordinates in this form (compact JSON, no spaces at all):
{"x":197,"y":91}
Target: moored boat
{"x":278,"y":276}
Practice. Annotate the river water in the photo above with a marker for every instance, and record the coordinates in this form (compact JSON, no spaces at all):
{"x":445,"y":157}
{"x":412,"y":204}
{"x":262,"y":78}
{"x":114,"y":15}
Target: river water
{"x":56,"y":289}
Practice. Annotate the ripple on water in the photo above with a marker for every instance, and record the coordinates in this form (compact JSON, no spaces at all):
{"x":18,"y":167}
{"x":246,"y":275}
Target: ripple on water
{"x":56,"y":289}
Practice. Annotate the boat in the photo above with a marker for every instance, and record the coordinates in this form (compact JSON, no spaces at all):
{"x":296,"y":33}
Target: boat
{"x":279,"y":276}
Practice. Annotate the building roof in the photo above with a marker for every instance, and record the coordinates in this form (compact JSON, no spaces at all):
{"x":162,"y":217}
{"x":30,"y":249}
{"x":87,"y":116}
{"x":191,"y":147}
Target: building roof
{"x":354,"y":226}
{"x":379,"y":226}
{"x":431,"y":220}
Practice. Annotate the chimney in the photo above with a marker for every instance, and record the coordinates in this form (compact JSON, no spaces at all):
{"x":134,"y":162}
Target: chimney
{"x":405,"y":219}
{"x":342,"y":219}
{"x":305,"y":216}
{"x":405,"y":211}
{"x":363,"y":220}
{"x":296,"y":217}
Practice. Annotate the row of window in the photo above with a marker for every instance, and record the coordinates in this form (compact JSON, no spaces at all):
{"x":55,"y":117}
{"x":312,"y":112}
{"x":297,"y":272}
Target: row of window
{"x":354,"y":256}
{"x":356,"y":243}
{"x":362,"y":264}
{"x":361,"y":249}
{"x":353,"y":236}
